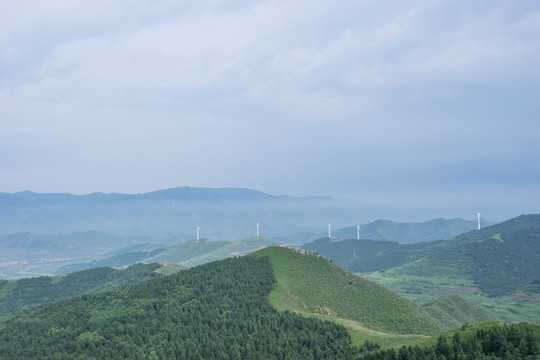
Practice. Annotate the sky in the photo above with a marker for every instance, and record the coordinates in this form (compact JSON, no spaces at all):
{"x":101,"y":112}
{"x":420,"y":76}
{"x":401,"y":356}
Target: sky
{"x":424,"y":104}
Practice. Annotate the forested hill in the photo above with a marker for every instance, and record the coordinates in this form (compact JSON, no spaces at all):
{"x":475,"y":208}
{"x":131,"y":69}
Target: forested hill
{"x":481,"y":342}
{"x":215,"y":311}
{"x":224,"y":310}
{"x":21,"y":294}
{"x":495,"y":258}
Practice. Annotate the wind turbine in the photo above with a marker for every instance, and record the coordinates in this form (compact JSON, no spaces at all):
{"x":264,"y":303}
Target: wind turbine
{"x":357,"y":232}
{"x":478,"y":213}
{"x":257,"y":229}
{"x":198,"y":233}
{"x":329,"y":234}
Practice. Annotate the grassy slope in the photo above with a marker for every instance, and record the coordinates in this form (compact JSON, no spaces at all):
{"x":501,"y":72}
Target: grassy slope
{"x":314,"y":286}
{"x":456,"y":310}
{"x":500,"y":261}
{"x":169,"y":268}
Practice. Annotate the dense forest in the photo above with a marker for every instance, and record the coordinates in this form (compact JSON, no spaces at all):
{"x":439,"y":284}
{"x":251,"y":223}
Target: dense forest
{"x":22,"y":294}
{"x":215,"y":311}
{"x":508,"y":342}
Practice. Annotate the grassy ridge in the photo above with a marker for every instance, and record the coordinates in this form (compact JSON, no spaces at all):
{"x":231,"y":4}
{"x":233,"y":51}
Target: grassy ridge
{"x":311,"y":284}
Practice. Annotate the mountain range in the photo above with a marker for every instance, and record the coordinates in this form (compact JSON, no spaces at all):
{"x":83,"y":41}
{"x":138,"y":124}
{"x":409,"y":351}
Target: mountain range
{"x":43,"y":234}
{"x":221,"y":214}
{"x":274,"y":303}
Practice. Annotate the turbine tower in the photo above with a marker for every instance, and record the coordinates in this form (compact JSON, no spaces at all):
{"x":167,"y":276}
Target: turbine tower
{"x":198,"y":233}
{"x":257,"y":229}
{"x":478,"y":213}
{"x":357,"y":232}
{"x":329,"y":233}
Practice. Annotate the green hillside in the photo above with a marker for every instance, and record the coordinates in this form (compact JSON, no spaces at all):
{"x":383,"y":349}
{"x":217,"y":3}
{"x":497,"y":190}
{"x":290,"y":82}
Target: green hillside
{"x":370,"y":255}
{"x":496,"y":259}
{"x":489,"y":340}
{"x":118,"y":258}
{"x":16,"y":295}
{"x":455,"y":310}
{"x":186,"y":250}
{"x":272,"y":304}
{"x":494,"y":262}
{"x":311,"y":284}
{"x":218,"y":310}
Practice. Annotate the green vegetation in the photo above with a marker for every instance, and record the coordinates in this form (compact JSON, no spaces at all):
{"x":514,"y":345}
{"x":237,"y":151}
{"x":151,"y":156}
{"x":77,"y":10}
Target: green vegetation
{"x":486,"y":341}
{"x":496,"y":264}
{"x":272,"y":304}
{"x":215,"y":311}
{"x":455,"y":310}
{"x":233,"y":248}
{"x":169,"y":269}
{"x":188,"y":249}
{"x":370,"y":255}
{"x":187,"y":254}
{"x":192,"y":253}
{"x":120,"y":260}
{"x":517,"y":305}
{"x":488,"y":267}
{"x":16,"y":295}
{"x":311,"y":285}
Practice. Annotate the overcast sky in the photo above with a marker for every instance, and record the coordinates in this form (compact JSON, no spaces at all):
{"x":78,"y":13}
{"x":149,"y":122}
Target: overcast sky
{"x":423,"y":104}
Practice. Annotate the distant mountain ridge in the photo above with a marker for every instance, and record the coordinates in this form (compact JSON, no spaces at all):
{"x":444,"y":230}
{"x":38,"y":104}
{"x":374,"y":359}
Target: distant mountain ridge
{"x":222,"y":214}
{"x":436,"y":229}
{"x":409,"y":232}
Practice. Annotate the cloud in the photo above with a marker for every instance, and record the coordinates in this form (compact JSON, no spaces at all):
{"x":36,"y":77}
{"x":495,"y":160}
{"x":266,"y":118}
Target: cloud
{"x":280,"y":96}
